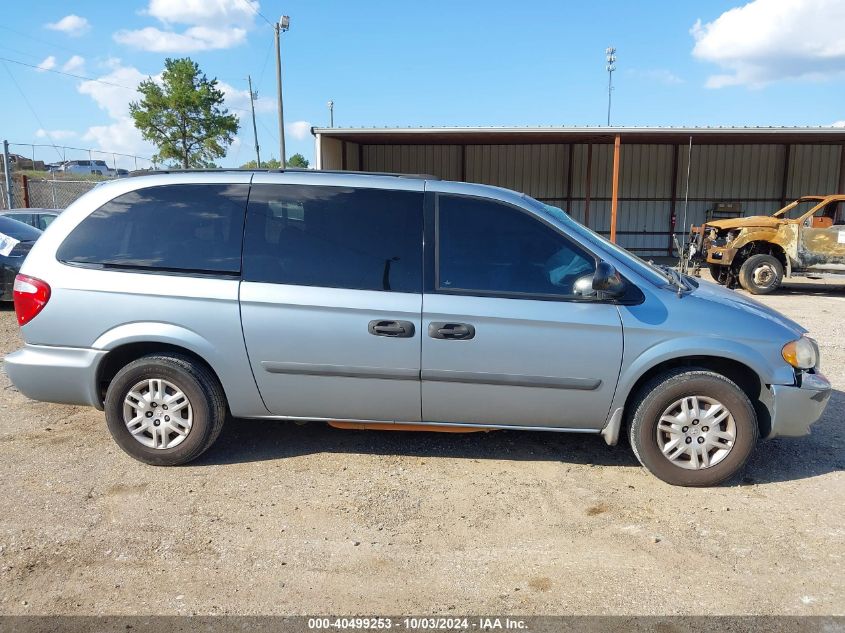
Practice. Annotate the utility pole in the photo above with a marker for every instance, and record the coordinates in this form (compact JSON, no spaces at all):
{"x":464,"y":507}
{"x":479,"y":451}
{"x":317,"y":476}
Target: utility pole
{"x":281,"y":26}
{"x":331,"y":113}
{"x":252,"y":96}
{"x":610,"y":52}
{"x":7,"y":170}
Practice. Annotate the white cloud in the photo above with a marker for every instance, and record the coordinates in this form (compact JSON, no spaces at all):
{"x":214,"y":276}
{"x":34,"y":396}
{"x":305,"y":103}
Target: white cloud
{"x":771,"y":40}
{"x":74,"y":65}
{"x":56,"y":135}
{"x":72,"y":25}
{"x":48,"y":64}
{"x":239,"y":99}
{"x":111,"y":96}
{"x":658,"y":75}
{"x":209,"y":12}
{"x":838,"y":124}
{"x":122,"y":137}
{"x":119,"y":135}
{"x":299,"y":129}
{"x":211,"y":25}
{"x":197,"y":38}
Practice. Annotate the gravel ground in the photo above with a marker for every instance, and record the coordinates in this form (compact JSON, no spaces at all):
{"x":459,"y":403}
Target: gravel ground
{"x":280,"y":518}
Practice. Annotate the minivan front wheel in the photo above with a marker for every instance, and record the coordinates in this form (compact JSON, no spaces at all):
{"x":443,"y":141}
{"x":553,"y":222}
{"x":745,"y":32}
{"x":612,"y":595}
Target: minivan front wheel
{"x":693,"y":427}
{"x":165,"y":410}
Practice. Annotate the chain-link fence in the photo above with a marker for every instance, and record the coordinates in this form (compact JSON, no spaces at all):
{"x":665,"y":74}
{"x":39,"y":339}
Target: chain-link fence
{"x":55,"y":194}
{"x":17,"y":192}
{"x":43,"y":193}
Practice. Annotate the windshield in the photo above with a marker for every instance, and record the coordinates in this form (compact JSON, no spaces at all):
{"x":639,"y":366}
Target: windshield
{"x":649,"y":271}
{"x":798,"y":210}
{"x":18,"y":230}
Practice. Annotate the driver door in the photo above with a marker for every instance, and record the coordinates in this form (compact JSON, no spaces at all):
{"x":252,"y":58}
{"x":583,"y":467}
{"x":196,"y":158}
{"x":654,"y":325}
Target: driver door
{"x":505,"y":339}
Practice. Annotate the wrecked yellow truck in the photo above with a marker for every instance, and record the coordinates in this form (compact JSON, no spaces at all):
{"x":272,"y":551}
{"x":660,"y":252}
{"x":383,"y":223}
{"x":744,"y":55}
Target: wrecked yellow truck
{"x":806,"y":238}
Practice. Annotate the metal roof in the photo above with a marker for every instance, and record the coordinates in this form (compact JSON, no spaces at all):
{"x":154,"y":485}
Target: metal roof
{"x":550,"y":134}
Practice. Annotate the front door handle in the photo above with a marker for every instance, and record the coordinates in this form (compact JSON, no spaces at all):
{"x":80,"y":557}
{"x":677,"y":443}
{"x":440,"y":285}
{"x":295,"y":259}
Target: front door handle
{"x":392,"y":329}
{"x":451,"y":331}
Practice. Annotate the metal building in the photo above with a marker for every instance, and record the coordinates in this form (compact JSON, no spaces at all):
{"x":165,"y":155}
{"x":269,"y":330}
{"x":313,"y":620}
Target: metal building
{"x":755,"y":169}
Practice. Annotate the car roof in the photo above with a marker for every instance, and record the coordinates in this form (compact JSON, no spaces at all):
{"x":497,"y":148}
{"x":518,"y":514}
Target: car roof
{"x":330,"y":177}
{"x":18,"y":230}
{"x":31,"y":211}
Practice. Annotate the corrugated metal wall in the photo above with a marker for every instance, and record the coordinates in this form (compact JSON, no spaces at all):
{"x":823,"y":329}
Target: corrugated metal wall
{"x":752,"y":175}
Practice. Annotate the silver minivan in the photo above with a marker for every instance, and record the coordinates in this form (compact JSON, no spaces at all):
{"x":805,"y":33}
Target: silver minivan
{"x":175,"y":300}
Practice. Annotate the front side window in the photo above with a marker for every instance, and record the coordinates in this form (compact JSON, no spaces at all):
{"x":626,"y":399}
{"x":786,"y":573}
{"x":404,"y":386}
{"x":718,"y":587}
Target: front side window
{"x":493,"y":248}
{"x":173,"y":228}
{"x":334,"y":237}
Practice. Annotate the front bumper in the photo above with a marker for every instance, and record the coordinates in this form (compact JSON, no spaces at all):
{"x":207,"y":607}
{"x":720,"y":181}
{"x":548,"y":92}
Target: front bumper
{"x":722,"y":255}
{"x":794,"y":409}
{"x":67,"y":375}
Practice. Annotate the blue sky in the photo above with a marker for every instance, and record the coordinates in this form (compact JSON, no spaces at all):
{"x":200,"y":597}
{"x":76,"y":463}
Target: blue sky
{"x":433,"y":63}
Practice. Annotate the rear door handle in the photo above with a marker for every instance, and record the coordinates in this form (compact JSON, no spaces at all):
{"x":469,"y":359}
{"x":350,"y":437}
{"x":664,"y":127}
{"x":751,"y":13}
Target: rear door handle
{"x":451,"y":331}
{"x":392,"y":329}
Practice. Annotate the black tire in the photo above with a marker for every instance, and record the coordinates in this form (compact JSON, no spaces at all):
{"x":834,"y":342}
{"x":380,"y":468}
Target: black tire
{"x":664,"y":390}
{"x":719,"y":273}
{"x":766,"y":269}
{"x":200,"y":386}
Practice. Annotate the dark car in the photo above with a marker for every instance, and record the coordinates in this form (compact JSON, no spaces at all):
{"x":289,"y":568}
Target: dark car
{"x":16,"y":239}
{"x":39,"y":218}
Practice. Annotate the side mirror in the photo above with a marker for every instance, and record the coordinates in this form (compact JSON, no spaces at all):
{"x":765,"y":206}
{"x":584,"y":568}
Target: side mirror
{"x":607,"y":281}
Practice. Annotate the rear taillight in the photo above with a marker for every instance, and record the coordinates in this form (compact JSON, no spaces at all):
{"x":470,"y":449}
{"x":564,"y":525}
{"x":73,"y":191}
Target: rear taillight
{"x":31,"y":295}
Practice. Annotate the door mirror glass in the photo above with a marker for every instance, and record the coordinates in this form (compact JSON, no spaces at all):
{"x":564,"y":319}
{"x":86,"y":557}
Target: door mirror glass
{"x":607,"y":282}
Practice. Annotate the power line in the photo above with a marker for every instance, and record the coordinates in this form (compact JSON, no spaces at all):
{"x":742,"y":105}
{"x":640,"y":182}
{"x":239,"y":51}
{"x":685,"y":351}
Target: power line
{"x":38,"y":39}
{"x":84,"y":78}
{"x":257,"y":12}
{"x":29,"y":105}
{"x":61,"y":72}
{"x":79,"y":149}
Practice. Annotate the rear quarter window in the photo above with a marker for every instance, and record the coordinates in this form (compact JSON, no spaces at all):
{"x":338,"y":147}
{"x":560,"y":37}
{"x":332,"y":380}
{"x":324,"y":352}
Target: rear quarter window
{"x":195,"y":228}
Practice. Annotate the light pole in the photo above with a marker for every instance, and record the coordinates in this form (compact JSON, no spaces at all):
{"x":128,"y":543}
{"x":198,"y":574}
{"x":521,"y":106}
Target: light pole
{"x":252,"y":97}
{"x":331,"y":113}
{"x":610,"y":53}
{"x":281,"y":26}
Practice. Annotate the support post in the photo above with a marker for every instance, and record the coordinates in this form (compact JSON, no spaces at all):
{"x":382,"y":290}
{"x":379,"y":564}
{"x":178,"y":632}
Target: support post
{"x":787,"y":150}
{"x":842,"y":169}
{"x":614,"y":196}
{"x":25,"y":190}
{"x":569,"y":168}
{"x":254,"y":128}
{"x":7,"y":170}
{"x":673,"y":204}
{"x":276,"y":30}
{"x":588,"y":185}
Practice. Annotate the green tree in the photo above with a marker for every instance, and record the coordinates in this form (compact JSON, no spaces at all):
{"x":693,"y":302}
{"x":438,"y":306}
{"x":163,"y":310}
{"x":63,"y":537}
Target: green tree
{"x":298,"y":160}
{"x":184,"y":115}
{"x":273,"y":163}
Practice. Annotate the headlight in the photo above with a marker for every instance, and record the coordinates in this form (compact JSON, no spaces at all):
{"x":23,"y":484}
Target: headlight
{"x":801,"y":354}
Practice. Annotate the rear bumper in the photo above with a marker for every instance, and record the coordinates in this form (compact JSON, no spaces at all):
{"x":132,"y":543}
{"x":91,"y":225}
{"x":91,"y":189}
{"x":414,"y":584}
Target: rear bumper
{"x":794,"y":409}
{"x":67,"y":375}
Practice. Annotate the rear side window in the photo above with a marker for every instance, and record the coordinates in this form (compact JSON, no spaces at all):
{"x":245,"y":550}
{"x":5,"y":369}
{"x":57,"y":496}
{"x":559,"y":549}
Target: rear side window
{"x":173,"y":228}
{"x":334,"y":237}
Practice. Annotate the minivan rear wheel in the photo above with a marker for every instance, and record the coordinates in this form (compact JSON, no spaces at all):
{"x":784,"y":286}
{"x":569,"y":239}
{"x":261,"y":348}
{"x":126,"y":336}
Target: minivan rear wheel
{"x":165,"y":409}
{"x":693,"y":427}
